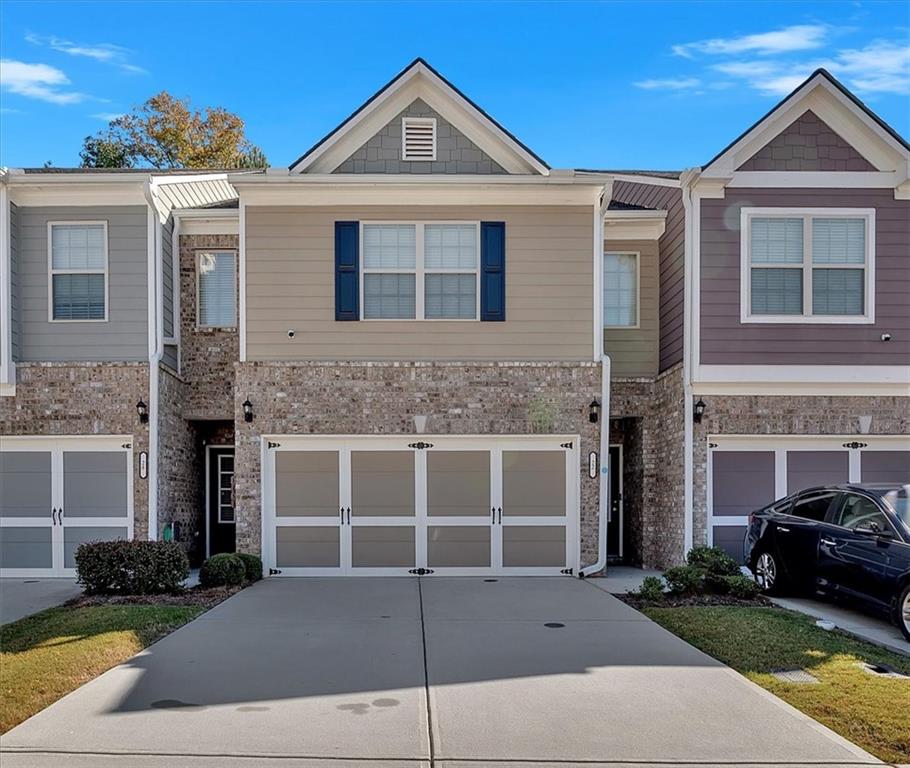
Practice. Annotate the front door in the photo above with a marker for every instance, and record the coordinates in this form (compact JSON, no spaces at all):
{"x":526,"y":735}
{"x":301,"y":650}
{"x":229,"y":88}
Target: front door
{"x":221,"y":523}
{"x":615,"y":521}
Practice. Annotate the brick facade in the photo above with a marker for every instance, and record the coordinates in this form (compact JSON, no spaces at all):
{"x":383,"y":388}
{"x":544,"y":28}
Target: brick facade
{"x":347,"y":398}
{"x":74,"y":399}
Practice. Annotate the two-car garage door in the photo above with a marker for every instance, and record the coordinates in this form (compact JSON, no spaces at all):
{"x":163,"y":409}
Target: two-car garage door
{"x":400,"y":505}
{"x":747,"y":472}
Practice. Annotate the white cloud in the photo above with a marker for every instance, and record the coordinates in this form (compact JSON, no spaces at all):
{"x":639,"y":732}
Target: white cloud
{"x":37,"y":81}
{"x":800,"y":37}
{"x":669,"y":84}
{"x":107,"y":116}
{"x":106,"y":53}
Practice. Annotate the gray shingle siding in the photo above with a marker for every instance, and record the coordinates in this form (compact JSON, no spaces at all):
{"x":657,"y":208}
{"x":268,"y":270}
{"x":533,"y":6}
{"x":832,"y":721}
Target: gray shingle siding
{"x":14,"y":278}
{"x":455,"y":152}
{"x":125,"y":335}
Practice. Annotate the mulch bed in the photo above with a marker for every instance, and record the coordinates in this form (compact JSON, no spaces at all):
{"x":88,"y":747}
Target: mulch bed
{"x":679,"y":601}
{"x":196,"y":596}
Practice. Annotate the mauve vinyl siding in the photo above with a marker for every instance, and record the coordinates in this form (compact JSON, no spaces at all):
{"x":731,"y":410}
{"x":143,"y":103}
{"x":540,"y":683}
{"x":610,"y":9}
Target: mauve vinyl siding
{"x":125,"y":335}
{"x":672,"y":261}
{"x":727,"y":341}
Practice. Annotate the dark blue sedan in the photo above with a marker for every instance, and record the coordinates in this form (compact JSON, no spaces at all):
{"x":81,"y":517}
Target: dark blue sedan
{"x":842,"y":541}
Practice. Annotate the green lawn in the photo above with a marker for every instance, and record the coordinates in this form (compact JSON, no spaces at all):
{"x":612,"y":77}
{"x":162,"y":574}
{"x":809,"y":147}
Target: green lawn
{"x":45,"y":656}
{"x":871,"y":711}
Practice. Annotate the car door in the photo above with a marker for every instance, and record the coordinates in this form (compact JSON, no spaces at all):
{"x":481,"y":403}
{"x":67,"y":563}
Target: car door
{"x":796,"y":534}
{"x":856,"y":547}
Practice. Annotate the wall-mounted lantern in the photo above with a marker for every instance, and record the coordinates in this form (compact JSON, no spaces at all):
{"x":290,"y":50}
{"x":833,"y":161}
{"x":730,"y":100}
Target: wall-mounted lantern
{"x":698,"y":410}
{"x":247,"y":410}
{"x":594,"y":411}
{"x":143,"y":410}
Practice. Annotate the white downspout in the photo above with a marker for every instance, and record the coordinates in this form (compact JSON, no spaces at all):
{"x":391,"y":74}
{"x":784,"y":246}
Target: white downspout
{"x":604,"y":474}
{"x":156,"y":351}
{"x":688,"y":429}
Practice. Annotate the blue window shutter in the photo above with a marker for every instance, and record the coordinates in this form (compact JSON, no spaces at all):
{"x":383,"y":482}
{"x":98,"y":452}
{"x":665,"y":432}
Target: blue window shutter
{"x":347,"y":270}
{"x":492,"y":270}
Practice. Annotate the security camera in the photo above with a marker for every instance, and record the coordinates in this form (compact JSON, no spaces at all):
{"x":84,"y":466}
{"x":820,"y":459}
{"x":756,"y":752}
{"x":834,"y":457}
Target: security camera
{"x":886,"y":337}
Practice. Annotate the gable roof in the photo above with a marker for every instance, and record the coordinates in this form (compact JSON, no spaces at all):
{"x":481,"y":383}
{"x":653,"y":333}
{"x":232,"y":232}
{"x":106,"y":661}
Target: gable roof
{"x":789,"y":107}
{"x":500,"y":143}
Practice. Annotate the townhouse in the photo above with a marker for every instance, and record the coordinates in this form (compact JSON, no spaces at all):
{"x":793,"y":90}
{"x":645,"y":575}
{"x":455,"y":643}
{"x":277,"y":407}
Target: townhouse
{"x":421,"y":350}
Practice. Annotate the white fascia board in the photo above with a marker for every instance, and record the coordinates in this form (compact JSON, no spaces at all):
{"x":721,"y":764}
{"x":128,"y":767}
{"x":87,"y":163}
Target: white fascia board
{"x":283,"y":177}
{"x":815,"y":179}
{"x":634,"y":225}
{"x":869,"y":380}
{"x":204,"y":221}
{"x":79,"y":194}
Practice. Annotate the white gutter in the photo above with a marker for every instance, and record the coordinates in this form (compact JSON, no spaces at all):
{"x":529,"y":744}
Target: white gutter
{"x":156,"y":351}
{"x":604,"y":474}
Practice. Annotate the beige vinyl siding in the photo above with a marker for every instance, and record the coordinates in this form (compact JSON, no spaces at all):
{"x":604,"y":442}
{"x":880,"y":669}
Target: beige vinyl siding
{"x":290,"y":279}
{"x":635,"y":351}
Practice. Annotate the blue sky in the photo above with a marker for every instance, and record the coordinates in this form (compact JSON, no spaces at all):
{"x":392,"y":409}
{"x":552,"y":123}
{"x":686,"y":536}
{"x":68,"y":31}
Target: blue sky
{"x":586,"y":85}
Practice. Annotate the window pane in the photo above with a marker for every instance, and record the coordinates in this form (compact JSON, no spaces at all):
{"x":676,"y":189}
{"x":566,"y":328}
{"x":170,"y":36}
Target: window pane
{"x":389,"y":246}
{"x":839,"y":241}
{"x":837,"y":291}
{"x":78,"y":297}
{"x":450,"y":296}
{"x":389,"y":296}
{"x":777,"y":241}
{"x":77,"y":246}
{"x":813,"y":506}
{"x":620,"y":297}
{"x":777,"y":291}
{"x":860,"y":512}
{"x":217,"y":290}
{"x":450,"y":246}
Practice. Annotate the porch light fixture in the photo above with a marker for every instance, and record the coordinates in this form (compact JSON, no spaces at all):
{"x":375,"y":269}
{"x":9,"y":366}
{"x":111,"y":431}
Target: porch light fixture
{"x":143,"y":410}
{"x":594,"y":411}
{"x":247,"y":410}
{"x":698,"y":411}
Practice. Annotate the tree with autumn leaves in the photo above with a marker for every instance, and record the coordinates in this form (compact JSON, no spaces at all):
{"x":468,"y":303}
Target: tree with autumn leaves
{"x":166,"y":132}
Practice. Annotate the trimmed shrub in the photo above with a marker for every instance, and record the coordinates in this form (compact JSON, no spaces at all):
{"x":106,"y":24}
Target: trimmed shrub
{"x":252,"y":566}
{"x":713,"y":560}
{"x":131,"y":567}
{"x":224,"y":570}
{"x":742,"y":587}
{"x":685,"y":579}
{"x":651,"y":589}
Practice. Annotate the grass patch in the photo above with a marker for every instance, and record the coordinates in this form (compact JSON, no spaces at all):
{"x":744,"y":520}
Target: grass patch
{"x":868,"y":710}
{"x":45,"y":656}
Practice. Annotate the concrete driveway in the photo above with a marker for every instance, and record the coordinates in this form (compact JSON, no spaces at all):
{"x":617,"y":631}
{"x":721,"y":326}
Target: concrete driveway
{"x":22,"y":597}
{"x":453,"y":673}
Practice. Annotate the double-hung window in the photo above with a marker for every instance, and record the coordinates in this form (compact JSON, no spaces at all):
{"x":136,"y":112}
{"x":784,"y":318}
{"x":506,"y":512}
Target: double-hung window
{"x":77,"y":270}
{"x":420,"y":271}
{"x":620,"y":290}
{"x":216,"y":289}
{"x":807,"y":265}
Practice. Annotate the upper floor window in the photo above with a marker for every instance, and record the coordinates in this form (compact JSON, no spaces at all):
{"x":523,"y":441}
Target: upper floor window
{"x":77,"y":270}
{"x":620,"y":287}
{"x":420,"y":271}
{"x":216,"y":289}
{"x":807,"y":265}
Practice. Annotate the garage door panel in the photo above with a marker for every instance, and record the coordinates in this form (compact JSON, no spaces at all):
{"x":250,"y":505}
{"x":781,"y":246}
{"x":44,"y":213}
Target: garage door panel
{"x":382,"y":484}
{"x":807,"y":469}
{"x":94,"y":484}
{"x":383,"y":547}
{"x":730,"y":539}
{"x":26,"y":547}
{"x":533,"y":483}
{"x":885,"y":467}
{"x":73,"y":536}
{"x":308,"y":547}
{"x":458,"y":483}
{"x":743,"y":481}
{"x":541,"y":546}
{"x":306,"y":484}
{"x":25,"y":484}
{"x":459,"y":546}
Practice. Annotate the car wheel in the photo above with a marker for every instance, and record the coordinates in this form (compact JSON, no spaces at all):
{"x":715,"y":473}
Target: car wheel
{"x":902,"y":611}
{"x":767,"y":574}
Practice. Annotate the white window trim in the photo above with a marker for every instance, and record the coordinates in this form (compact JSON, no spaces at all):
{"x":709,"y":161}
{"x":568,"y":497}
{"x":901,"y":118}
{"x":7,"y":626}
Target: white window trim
{"x":807,"y":214}
{"x":200,"y":326}
{"x":405,"y":121}
{"x":219,"y":489}
{"x":637,"y":325}
{"x":420,"y":273}
{"x":51,"y":271}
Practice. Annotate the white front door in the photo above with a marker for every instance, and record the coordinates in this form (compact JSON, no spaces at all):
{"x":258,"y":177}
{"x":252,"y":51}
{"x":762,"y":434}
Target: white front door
{"x":55,"y":494}
{"x":405,"y":505}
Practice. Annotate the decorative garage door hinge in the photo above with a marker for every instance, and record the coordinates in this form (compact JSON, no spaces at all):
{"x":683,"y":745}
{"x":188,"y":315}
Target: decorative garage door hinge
{"x":421,"y":571}
{"x":127,"y":445}
{"x":566,"y":571}
{"x":854,"y":444}
{"x":420,"y":446}
{"x":270,"y":444}
{"x":274,"y":571}
{"x":567,"y":446}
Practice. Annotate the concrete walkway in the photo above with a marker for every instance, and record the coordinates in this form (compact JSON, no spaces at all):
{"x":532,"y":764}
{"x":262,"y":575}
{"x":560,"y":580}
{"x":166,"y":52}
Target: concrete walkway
{"x":22,"y":597}
{"x":451,"y":673}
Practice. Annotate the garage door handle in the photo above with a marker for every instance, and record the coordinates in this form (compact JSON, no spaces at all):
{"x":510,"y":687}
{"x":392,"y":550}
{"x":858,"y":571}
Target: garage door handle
{"x":342,"y":515}
{"x":349,"y":515}
{"x":54,"y":515}
{"x":499,"y":509}
{"x":493,"y":510}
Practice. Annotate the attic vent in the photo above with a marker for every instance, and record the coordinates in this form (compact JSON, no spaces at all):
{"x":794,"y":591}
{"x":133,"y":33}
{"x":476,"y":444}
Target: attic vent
{"x":418,"y":138}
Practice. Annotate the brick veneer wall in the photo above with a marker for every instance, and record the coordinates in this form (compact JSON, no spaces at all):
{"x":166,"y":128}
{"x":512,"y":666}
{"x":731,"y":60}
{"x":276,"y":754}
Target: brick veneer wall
{"x":207,"y":355}
{"x":382,"y":398}
{"x":73,"y":399}
{"x":787,"y":415}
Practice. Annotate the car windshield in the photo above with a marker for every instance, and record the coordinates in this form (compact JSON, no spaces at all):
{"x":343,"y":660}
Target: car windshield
{"x":899,"y":501}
